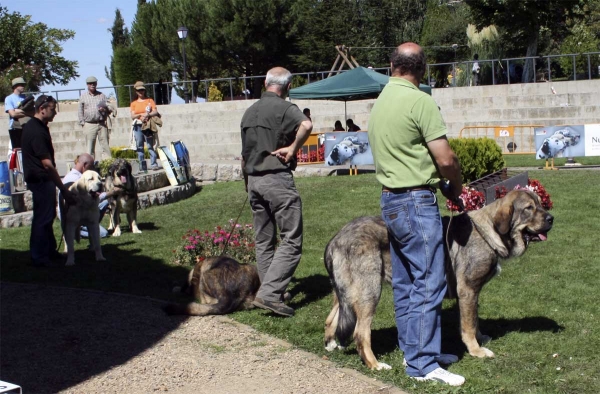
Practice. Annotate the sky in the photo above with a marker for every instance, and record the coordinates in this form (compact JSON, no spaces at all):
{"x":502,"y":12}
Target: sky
{"x":90,"y":19}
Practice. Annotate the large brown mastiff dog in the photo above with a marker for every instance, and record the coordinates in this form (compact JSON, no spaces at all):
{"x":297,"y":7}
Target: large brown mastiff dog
{"x":222,"y":285}
{"x":122,"y":185}
{"x":358,"y":261}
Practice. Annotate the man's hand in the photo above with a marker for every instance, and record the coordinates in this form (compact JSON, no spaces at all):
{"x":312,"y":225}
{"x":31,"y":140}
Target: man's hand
{"x":284,"y":154}
{"x":69,"y":197}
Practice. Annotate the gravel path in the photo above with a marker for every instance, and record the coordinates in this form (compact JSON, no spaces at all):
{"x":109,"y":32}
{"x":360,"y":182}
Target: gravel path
{"x":78,"y":341}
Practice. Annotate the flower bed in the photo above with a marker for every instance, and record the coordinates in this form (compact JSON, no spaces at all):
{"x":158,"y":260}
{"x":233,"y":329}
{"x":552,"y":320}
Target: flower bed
{"x":237,"y":243}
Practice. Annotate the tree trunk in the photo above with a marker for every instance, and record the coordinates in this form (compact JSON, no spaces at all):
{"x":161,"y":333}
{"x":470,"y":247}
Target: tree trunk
{"x":528,"y":69}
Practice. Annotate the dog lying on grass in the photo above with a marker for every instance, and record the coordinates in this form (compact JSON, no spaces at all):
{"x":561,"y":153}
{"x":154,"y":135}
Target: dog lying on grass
{"x":222,"y":285}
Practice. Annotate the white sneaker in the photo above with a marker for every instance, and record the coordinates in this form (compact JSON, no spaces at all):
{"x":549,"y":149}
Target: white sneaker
{"x":443,"y":358}
{"x":443,"y":376}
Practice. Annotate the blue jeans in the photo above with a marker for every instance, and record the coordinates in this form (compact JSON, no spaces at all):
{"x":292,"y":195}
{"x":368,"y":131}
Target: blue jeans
{"x":146,"y":136}
{"x":42,"y":242}
{"x":103,"y":206}
{"x":418,"y":276}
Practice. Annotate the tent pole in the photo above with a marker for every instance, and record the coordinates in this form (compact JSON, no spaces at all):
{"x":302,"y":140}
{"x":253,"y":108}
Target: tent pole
{"x":346,"y":113}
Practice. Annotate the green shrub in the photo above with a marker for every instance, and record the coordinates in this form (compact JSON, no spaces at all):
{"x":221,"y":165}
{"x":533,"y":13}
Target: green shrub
{"x":103,"y":167}
{"x":119,"y":152}
{"x":478,"y":157}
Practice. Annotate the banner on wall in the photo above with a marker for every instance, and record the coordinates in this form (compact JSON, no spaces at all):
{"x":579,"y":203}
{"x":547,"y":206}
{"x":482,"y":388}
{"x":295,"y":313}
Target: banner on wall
{"x":343,"y":148}
{"x":567,"y":141}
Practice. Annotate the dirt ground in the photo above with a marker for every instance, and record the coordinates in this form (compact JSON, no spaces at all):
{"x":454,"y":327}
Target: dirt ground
{"x":57,"y":340}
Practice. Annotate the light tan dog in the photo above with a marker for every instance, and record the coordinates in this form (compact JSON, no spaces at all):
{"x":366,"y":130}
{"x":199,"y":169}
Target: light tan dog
{"x":358,"y":262}
{"x":84,"y":213}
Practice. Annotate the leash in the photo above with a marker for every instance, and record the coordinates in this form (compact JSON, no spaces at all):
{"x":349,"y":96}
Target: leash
{"x":233,"y":226}
{"x":62,"y":217}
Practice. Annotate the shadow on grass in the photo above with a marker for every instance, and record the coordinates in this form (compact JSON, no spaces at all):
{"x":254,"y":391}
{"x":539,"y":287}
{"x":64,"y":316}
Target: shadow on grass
{"x":385,"y":340}
{"x":53,"y":338}
{"x":495,"y":328}
{"x":148,"y":226}
{"x":313,"y":287}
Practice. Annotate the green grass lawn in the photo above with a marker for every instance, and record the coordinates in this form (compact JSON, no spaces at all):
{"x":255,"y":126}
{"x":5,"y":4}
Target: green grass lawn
{"x":541,"y":311}
{"x":530,"y":161}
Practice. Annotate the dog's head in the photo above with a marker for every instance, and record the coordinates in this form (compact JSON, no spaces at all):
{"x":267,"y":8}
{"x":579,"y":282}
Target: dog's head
{"x":89,"y":185}
{"x":339,"y":154}
{"x":570,"y":137}
{"x":120,"y":172}
{"x":520,"y":215}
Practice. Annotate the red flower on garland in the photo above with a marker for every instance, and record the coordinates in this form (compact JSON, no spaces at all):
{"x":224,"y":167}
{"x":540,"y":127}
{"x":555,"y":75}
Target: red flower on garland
{"x":474,"y":199}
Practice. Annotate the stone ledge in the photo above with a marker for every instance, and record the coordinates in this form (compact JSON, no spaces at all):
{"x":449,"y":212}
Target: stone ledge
{"x":16,"y":220}
{"x":166,"y":195}
{"x":162,"y":196}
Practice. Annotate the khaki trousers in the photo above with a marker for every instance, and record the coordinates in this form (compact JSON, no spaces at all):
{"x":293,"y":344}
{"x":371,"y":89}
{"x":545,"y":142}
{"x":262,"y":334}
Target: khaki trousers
{"x":91,"y":131}
{"x":275,"y":204}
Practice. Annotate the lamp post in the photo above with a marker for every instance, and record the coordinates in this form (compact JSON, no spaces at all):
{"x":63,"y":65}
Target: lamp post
{"x":182,"y":33}
{"x":455,"y":47}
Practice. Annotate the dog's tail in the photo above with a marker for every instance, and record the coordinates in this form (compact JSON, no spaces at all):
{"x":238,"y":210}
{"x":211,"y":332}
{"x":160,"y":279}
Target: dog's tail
{"x":346,"y":315}
{"x":197,"y":309}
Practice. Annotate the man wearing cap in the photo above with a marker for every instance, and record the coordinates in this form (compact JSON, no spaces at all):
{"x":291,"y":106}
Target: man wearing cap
{"x":92,"y":112}
{"x":142,"y":109}
{"x":11,"y":106}
{"x":42,"y":179}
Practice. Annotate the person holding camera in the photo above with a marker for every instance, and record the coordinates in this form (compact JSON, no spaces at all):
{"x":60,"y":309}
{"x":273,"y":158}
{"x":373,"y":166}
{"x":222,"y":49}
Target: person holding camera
{"x":93,"y":111}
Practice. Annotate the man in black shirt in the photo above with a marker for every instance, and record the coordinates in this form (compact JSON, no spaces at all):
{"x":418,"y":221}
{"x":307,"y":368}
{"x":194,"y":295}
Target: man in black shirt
{"x":42,"y":179}
{"x":273,"y":130}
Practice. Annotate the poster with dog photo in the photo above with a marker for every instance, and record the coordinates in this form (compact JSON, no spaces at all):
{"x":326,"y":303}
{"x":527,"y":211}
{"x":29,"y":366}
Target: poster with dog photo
{"x":347,"y":149}
{"x":559,"y":141}
{"x":592,"y":139}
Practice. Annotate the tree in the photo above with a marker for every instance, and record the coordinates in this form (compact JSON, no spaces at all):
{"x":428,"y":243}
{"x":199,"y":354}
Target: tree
{"x":120,"y":38}
{"x":583,"y":36}
{"x":320,"y":25}
{"x":444,"y":27}
{"x":523,"y":20}
{"x":155,"y":30}
{"x":248,"y":37}
{"x":32,"y":50}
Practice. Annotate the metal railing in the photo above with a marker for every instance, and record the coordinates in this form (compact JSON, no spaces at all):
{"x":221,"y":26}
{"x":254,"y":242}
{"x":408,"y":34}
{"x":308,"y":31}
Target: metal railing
{"x":456,"y":73}
{"x":542,"y":66}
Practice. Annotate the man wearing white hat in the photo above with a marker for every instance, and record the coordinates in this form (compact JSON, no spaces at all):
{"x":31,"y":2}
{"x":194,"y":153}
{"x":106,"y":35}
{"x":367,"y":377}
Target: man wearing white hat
{"x":92,"y":113}
{"x":12,"y":105}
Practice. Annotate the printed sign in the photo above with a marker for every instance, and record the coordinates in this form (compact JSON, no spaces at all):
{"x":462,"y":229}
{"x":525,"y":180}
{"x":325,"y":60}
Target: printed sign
{"x":561,"y":141}
{"x":343,"y":148}
{"x":504,"y":131}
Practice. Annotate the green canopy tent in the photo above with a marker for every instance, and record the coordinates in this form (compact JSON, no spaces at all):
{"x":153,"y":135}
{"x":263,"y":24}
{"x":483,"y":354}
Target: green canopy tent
{"x":357,"y":84}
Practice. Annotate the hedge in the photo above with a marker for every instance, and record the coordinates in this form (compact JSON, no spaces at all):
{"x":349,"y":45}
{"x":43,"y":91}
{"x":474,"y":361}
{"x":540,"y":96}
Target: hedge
{"x":478,"y":157}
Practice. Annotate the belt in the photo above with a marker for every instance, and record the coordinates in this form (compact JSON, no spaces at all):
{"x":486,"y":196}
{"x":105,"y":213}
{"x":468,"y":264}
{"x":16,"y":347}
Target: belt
{"x":401,"y":190}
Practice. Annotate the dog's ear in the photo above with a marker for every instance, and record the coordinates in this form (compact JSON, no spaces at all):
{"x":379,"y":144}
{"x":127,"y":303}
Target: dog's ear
{"x":503,"y":215}
{"x":128,"y":166}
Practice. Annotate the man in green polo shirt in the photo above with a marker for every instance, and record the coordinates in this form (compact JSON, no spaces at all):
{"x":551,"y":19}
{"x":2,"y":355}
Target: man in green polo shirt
{"x":411,"y":153}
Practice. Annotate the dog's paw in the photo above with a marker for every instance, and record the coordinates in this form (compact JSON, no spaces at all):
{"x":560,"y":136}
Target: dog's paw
{"x":331,"y":345}
{"x":117,"y":232}
{"x":482,"y":353}
{"x":136,"y":231}
{"x":100,"y":258}
{"x":70,"y":263}
{"x":382,"y":366}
